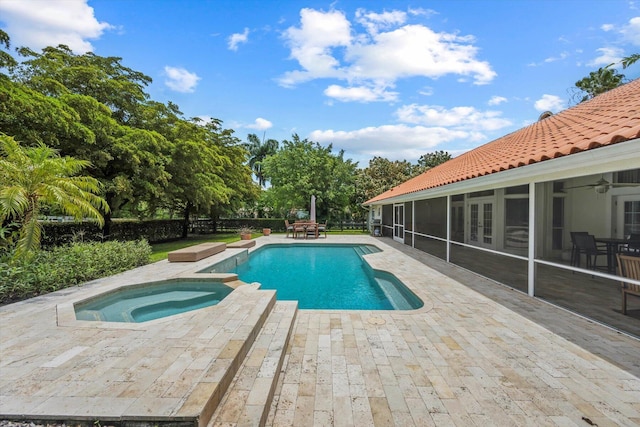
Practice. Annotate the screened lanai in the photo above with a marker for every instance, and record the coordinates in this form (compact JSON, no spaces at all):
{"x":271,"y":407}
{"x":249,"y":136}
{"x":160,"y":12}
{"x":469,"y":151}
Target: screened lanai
{"x":511,"y":219}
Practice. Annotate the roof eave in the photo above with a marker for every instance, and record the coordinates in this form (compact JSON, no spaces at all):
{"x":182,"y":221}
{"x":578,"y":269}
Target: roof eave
{"x":620,"y":156}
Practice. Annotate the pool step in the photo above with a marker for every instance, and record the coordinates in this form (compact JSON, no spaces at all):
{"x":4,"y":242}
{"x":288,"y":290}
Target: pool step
{"x":248,"y":399}
{"x":359,"y":250}
{"x":365,"y":250}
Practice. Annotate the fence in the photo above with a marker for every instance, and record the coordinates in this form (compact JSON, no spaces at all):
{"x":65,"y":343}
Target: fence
{"x":229,"y":225}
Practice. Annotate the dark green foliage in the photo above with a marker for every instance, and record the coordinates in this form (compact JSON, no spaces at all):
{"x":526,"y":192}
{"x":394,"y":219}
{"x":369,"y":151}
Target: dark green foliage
{"x":600,"y":81}
{"x":66,"y":266}
{"x":302,"y":168}
{"x":60,"y":233}
{"x":431,"y":160}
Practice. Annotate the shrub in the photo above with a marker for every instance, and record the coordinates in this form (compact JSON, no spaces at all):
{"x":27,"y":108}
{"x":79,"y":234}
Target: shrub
{"x":66,"y":266}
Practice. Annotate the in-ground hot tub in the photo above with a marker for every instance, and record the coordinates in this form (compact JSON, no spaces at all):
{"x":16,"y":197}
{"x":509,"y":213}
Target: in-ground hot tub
{"x":152,"y":300}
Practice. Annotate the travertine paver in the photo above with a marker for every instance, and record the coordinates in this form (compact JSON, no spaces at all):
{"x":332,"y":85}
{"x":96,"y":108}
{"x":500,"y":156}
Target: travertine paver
{"x":53,"y":367}
{"x":249,"y":396}
{"x":481,"y":356}
{"x":465,"y":360}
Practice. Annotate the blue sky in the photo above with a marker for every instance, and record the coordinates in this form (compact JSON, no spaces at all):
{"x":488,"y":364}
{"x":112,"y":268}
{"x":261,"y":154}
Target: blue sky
{"x":395,"y":79}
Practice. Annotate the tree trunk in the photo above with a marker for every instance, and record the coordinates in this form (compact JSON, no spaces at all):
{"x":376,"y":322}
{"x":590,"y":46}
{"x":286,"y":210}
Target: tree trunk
{"x":215,"y":216}
{"x":185,"y":220}
{"x":106,"y":229}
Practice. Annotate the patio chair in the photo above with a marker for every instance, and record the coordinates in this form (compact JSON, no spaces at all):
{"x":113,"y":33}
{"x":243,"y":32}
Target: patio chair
{"x":322,"y":228}
{"x":633,"y":247}
{"x":629,"y":268}
{"x":299,"y":227}
{"x":586,"y":244}
{"x":312,"y":230}
{"x":289,"y":228}
{"x":575,"y":254}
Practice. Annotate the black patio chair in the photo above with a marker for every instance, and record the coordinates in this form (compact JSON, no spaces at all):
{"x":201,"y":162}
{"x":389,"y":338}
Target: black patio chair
{"x":586,"y":244}
{"x":575,"y":253}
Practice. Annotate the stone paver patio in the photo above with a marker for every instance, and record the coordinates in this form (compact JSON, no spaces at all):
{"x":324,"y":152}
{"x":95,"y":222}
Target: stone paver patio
{"x":476,"y":354}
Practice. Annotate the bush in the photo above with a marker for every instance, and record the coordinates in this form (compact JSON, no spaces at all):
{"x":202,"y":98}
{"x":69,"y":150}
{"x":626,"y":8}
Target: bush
{"x":66,"y":266}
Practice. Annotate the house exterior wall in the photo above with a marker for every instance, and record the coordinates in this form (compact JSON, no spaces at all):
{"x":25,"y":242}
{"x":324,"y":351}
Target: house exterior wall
{"x":561,"y":206}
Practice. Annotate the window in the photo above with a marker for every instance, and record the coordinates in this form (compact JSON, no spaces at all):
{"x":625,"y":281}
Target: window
{"x":631,"y":217}
{"x":628,"y":177}
{"x":516,"y":223}
{"x":557,"y":231}
{"x":520,"y":189}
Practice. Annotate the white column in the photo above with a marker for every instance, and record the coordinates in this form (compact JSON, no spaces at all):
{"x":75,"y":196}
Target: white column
{"x":532,"y":239}
{"x":449,"y":228}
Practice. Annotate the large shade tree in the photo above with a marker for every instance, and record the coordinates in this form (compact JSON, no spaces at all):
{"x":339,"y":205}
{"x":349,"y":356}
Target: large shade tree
{"x":302,"y":168}
{"x":218,"y":176}
{"x":145,"y":154}
{"x":34,"y":177}
{"x":58,"y":70}
{"x":383,"y":174}
{"x":88,"y":107}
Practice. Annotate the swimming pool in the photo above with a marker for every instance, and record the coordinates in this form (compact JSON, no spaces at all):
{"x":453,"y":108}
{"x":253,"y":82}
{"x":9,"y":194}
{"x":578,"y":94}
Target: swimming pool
{"x":153,"y":300}
{"x":321,"y":276}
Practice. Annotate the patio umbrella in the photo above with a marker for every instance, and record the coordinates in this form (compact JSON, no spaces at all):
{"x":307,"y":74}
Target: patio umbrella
{"x":312,"y":214}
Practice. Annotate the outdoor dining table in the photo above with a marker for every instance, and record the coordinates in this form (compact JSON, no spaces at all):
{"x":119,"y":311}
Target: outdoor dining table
{"x":612,"y":244}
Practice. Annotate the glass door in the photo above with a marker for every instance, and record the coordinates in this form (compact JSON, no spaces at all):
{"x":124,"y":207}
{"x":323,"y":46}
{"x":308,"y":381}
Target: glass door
{"x":398,"y":223}
{"x":628,"y":216}
{"x":481,"y":224}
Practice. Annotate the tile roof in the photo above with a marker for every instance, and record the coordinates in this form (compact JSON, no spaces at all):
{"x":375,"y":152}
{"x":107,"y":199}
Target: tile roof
{"x":604,"y":120}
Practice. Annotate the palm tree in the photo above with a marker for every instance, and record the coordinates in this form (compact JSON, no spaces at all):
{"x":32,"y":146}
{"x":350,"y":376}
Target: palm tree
{"x":259,"y":151}
{"x":31,"y":177}
{"x":630,"y":60}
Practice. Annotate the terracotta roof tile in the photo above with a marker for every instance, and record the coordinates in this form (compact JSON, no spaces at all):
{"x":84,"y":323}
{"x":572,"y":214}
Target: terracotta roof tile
{"x":607,"y":119}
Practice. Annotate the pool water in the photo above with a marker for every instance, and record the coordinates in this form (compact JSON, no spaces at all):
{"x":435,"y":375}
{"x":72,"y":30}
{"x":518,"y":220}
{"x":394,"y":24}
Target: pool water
{"x":322,"y":277}
{"x":152,"y":301}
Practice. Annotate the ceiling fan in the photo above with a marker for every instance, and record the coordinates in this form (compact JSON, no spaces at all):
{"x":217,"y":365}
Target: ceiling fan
{"x":602,"y":185}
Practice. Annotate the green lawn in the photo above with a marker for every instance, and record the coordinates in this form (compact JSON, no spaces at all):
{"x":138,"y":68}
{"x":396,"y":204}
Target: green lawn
{"x":159,"y":251}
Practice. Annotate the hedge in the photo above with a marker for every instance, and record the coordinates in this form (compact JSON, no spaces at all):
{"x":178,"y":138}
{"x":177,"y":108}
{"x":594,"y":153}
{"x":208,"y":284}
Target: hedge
{"x":69,"y":265}
{"x":60,"y":233}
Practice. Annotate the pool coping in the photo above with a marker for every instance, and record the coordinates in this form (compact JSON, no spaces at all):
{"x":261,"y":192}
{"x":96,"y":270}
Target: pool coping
{"x":66,"y":314}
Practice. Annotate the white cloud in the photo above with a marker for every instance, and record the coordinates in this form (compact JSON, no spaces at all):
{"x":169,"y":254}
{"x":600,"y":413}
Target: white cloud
{"x":426,"y":91}
{"x":608,"y":55}
{"x":462,"y":118}
{"x":326,"y":46}
{"x":374,"y":22}
{"x":421,"y":11}
{"x":560,"y":57}
{"x":631,"y":32}
{"x":237,"y":38}
{"x":311,"y":45}
{"x":422,"y":129}
{"x":563,"y":55}
{"x":549,"y":103}
{"x":261,"y":124}
{"x":607,"y":27}
{"x":415,"y":50}
{"x":408,"y":142}
{"x":180,"y":80}
{"x":359,"y":93}
{"x":497,"y":100}
{"x":41,"y":23}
